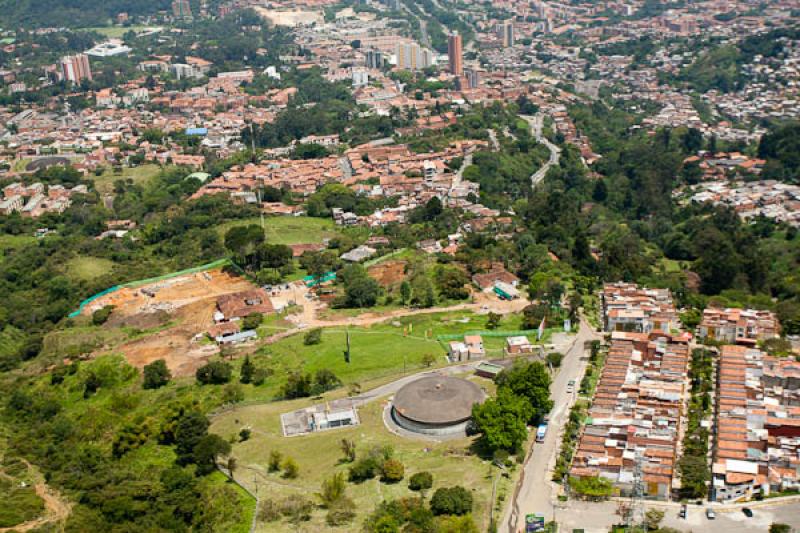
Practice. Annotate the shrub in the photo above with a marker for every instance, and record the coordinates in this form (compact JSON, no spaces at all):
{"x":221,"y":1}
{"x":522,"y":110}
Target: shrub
{"x":290,"y":468}
{"x":244,"y":434}
{"x":363,"y":469}
{"x":275,"y":459}
{"x":341,"y":512}
{"x":333,"y":489}
{"x":100,"y":316}
{"x":393,"y":471}
{"x":314,"y":336}
{"x":297,"y":508}
{"x":269,"y":511}
{"x":214,"y":373}
{"x":232,"y":393}
{"x":260,"y":375}
{"x":452,"y":501}
{"x":156,"y":374}
{"x":421,"y":481}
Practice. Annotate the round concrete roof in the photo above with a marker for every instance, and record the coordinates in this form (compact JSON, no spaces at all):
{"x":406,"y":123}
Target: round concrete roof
{"x":438,"y":400}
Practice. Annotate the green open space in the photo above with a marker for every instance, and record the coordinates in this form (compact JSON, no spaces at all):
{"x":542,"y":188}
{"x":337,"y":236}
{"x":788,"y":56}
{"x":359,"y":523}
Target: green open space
{"x":87,"y":268}
{"x":104,"y":183}
{"x":318,"y":456}
{"x":288,"y":230}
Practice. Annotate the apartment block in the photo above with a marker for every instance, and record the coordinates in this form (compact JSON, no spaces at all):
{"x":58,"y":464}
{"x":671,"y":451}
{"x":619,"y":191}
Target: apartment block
{"x":634,"y":422}
{"x":757,"y":449}
{"x":628,"y":307}
{"x":738,"y":326}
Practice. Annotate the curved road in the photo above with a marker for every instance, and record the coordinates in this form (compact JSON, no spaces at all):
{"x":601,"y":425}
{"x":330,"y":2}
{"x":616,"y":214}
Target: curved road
{"x":536,"y":123}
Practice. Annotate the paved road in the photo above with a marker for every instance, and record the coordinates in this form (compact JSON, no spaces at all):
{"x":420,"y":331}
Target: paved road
{"x":536,"y":492}
{"x":599,"y":517}
{"x":536,"y":124}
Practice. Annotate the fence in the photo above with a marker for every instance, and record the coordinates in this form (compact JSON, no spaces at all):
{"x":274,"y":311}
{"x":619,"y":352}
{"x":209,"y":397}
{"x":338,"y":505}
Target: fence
{"x":138,"y":283}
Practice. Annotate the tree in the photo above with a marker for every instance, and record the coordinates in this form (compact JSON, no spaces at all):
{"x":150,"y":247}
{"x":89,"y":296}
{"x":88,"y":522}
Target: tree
{"x":246,"y":373}
{"x":393,"y":471}
{"x":428,"y":359}
{"x":554,"y":359}
{"x":776,"y":527}
{"x":325,"y":380}
{"x":451,"y":501}
{"x":421,"y":481}
{"x":252,"y":321}
{"x":214,"y":373}
{"x":405,"y":292}
{"x":361,"y":291}
{"x":190,"y":429}
{"x":530,"y":380}
{"x":502,"y":421}
{"x":244,"y":434}
{"x":298,"y":385}
{"x":312,"y":337}
{"x":290,"y":468}
{"x":348,"y":449}
{"x":156,"y":374}
{"x":493,"y":320}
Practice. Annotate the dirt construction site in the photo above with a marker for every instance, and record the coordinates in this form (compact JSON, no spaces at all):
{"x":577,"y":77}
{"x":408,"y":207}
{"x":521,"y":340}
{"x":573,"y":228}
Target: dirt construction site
{"x":184,"y":306}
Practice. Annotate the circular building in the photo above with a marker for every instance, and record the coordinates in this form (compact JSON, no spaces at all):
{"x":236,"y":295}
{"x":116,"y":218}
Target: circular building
{"x":436,"y":405}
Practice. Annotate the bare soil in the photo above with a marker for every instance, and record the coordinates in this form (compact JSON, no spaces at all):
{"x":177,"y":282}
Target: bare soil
{"x":388,"y":273}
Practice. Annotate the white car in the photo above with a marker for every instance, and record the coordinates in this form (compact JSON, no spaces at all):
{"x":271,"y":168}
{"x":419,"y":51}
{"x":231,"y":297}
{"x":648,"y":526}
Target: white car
{"x":570,"y":386}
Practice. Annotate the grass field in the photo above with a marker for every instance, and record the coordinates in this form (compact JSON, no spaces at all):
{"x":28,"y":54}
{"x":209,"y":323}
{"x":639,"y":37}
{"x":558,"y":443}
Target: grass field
{"x":289,"y":230}
{"x":318,"y":456}
{"x":379,"y":351}
{"x":86,"y":268}
{"x":140,"y":175}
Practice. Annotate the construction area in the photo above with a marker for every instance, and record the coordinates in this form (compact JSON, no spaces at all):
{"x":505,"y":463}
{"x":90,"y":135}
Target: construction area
{"x":183,"y":306}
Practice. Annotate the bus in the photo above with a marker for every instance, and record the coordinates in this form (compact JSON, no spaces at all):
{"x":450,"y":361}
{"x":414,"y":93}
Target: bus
{"x":541,"y":431}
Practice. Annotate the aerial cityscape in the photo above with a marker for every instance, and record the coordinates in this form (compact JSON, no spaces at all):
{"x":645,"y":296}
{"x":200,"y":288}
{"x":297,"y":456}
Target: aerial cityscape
{"x":419,"y":266}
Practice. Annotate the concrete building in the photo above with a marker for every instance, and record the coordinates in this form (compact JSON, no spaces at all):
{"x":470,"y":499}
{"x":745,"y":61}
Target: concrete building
{"x":181,"y":9}
{"x":738,"y":326}
{"x":436,"y":405}
{"x":635,"y":418}
{"x":628,"y":307}
{"x":757,"y":449}
{"x":505,"y":33}
{"x":374,"y":59}
{"x":455,"y":54}
{"x":411,"y":56}
{"x":75,"y":68}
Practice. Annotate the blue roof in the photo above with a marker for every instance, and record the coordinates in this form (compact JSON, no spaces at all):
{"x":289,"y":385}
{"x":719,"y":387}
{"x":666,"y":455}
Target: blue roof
{"x":196,"y":131}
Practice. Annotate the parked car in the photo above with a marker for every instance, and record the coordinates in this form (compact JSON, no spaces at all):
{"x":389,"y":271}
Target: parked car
{"x":747,"y":512}
{"x":710,"y":514}
{"x":683,"y":511}
{"x":570,"y":386}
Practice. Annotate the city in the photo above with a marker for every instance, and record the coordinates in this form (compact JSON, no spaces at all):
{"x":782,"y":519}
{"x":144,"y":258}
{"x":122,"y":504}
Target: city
{"x":400,"y":265}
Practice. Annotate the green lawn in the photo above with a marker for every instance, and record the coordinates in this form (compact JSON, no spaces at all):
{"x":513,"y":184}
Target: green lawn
{"x":288,"y":230}
{"x":140,"y":175}
{"x":318,"y":456}
{"x":87,"y":268}
{"x":376,"y":352}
